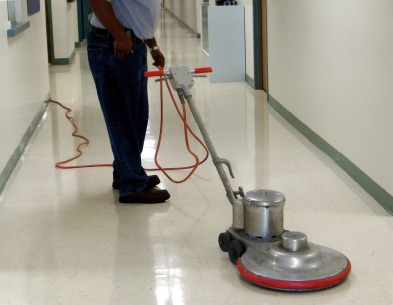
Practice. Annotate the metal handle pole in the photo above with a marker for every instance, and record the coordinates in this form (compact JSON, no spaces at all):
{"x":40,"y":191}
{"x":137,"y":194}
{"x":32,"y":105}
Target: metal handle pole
{"x":185,"y":91}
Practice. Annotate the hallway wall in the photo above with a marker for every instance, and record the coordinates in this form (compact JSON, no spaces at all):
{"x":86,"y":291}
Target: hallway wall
{"x":186,"y":11}
{"x":330,"y":65}
{"x":24,"y":78}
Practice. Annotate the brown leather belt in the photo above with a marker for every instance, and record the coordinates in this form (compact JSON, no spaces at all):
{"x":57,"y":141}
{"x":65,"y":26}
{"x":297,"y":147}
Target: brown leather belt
{"x":104,"y":32}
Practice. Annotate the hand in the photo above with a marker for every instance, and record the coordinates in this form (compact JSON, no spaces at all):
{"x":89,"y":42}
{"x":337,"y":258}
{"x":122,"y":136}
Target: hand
{"x":122,"y":46}
{"x":159,"y":59}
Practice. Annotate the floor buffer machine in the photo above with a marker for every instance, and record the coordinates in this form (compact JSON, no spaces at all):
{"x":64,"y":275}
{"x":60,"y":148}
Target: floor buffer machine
{"x":264,"y":252}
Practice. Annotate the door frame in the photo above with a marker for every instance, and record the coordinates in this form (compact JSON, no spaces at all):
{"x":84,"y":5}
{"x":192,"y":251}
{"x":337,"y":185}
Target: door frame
{"x":264,"y":45}
{"x":260,"y":45}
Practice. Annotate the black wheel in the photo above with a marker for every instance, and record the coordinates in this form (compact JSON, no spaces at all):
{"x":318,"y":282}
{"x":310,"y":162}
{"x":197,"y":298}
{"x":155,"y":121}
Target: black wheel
{"x":235,"y":250}
{"x":223,"y":241}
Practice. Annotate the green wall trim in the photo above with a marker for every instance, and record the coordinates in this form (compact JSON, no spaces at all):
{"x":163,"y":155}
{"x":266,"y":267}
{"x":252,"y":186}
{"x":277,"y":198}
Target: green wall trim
{"x":63,"y":61}
{"x":370,"y":186}
{"x":257,"y":15}
{"x":23,"y":144}
{"x":79,"y":8}
{"x":250,"y":81}
{"x":51,"y":46}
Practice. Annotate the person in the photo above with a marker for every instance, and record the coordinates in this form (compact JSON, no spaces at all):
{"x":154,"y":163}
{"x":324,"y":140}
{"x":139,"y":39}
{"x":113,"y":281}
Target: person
{"x":121,"y":33}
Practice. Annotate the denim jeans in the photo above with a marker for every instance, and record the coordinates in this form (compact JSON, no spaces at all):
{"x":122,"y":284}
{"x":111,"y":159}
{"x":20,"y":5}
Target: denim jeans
{"x":122,"y":92}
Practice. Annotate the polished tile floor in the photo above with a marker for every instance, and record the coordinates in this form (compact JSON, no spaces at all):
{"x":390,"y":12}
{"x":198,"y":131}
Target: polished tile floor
{"x":65,"y":239}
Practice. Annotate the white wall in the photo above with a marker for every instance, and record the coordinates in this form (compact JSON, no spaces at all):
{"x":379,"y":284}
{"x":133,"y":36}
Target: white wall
{"x":24,"y":78}
{"x":331,"y":65}
{"x":185,"y":10}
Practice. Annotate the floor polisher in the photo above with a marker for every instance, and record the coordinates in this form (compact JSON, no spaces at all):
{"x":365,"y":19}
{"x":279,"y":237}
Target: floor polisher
{"x":264,"y":253}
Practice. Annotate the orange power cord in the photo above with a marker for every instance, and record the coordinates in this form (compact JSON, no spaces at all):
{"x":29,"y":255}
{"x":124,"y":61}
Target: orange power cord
{"x":187,"y":129}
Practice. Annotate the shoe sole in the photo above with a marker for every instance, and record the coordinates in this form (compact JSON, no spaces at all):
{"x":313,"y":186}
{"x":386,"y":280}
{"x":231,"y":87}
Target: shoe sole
{"x":136,"y":200}
{"x":154,"y":181}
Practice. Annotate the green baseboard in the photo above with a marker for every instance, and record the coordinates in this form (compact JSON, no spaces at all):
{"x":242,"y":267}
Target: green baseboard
{"x":63,"y":61}
{"x":370,"y":186}
{"x":21,"y":148}
{"x":250,"y":81}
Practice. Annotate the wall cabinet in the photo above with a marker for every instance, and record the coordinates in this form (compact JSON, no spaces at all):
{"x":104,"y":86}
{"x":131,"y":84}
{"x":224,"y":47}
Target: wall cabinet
{"x":223,"y":41}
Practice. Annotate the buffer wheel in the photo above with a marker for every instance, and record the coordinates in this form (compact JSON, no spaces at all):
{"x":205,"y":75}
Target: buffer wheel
{"x":235,"y":250}
{"x":223,"y":241}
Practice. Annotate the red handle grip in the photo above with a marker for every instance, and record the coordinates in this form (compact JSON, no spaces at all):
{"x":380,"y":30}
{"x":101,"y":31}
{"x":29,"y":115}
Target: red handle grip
{"x":154,"y":73}
{"x":203,"y":70}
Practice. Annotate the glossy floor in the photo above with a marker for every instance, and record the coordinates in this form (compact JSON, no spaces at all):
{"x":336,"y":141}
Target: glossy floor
{"x":65,"y":239}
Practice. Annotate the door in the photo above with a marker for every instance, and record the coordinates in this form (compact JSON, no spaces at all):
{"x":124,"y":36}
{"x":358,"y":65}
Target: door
{"x":84,"y":15}
{"x":260,"y":47}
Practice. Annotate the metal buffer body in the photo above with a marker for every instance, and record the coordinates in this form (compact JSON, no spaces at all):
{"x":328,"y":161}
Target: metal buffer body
{"x":265,"y":253}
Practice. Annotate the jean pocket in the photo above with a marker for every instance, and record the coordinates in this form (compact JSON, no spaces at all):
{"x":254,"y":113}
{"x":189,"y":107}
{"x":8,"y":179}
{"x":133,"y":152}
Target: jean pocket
{"x":94,"y":47}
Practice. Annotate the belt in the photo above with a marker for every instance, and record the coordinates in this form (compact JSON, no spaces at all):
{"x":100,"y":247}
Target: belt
{"x":104,"y":32}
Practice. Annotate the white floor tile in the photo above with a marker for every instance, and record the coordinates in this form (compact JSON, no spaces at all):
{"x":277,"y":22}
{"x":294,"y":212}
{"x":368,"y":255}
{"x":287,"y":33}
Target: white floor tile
{"x":65,"y":238}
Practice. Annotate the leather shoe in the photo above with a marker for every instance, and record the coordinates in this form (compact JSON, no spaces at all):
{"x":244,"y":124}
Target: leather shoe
{"x":147,"y":195}
{"x":152,"y":181}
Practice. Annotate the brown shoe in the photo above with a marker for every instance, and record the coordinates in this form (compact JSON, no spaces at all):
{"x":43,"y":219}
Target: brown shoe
{"x":147,"y":195}
{"x":152,"y":181}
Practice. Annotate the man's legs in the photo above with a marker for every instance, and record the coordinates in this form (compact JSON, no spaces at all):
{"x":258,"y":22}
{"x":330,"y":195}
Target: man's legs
{"x":122,"y":91}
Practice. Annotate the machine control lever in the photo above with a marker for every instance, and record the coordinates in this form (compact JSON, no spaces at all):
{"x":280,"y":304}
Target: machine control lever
{"x":162,"y":79}
{"x":240,"y":192}
{"x":219,"y":161}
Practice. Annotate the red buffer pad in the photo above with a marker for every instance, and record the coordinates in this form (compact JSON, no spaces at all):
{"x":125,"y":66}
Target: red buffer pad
{"x":287,"y":285}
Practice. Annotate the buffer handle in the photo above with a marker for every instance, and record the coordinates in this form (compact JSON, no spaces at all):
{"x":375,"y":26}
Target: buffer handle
{"x":158,"y":73}
{"x":161,"y":73}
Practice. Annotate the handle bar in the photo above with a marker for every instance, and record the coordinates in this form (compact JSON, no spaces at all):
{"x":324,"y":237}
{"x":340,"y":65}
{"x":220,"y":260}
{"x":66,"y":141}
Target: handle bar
{"x":161,"y":73}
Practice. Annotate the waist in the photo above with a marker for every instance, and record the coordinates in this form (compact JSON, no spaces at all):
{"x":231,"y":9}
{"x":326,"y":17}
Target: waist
{"x":104,"y":32}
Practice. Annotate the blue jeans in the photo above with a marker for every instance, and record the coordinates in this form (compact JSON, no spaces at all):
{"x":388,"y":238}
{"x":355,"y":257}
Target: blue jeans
{"x":122,"y":92}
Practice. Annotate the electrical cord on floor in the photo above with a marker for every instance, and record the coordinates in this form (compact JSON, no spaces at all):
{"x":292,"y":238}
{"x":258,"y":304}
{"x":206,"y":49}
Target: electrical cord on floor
{"x":75,"y":134}
{"x":187,"y":129}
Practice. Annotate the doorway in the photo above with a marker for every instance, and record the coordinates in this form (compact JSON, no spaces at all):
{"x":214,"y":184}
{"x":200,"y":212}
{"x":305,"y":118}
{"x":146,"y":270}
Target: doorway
{"x":264,"y":45}
{"x":260,"y":45}
{"x":84,"y":16}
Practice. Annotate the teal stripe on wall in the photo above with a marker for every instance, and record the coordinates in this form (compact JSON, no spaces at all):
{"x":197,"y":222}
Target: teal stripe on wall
{"x":257,"y":16}
{"x":250,"y":81}
{"x":21,"y":148}
{"x":369,"y":185}
{"x":17,"y":28}
{"x":63,"y":61}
